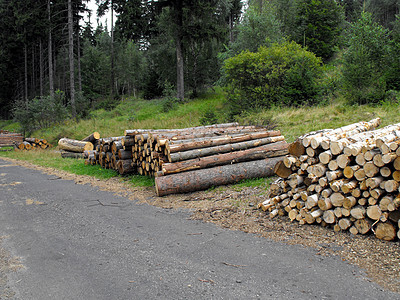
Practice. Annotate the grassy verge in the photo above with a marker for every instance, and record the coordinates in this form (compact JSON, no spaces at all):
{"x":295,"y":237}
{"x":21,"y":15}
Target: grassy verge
{"x":49,"y":158}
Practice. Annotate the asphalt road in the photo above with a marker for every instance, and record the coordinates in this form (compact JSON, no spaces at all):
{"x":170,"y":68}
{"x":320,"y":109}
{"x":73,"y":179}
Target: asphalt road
{"x":76,"y":242}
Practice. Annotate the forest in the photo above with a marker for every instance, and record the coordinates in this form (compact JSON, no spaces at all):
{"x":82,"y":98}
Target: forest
{"x":55,"y":65}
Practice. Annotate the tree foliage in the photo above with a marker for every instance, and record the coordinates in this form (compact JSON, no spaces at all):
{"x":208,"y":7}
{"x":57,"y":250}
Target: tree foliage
{"x":365,"y":61}
{"x":318,"y":26}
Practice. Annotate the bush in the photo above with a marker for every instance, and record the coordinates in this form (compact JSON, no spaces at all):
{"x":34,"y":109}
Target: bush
{"x":283,"y":74}
{"x":40,"y":112}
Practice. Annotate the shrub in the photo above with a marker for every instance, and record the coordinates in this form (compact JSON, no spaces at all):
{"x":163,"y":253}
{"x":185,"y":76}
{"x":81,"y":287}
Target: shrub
{"x":283,"y":74}
{"x":40,"y":112}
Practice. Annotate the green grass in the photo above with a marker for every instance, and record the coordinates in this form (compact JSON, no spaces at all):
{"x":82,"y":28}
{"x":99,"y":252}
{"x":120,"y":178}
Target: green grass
{"x":136,"y":113}
{"x":49,"y":158}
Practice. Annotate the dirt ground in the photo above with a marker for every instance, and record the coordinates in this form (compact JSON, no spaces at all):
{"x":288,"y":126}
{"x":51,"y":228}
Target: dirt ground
{"x":236,"y":209}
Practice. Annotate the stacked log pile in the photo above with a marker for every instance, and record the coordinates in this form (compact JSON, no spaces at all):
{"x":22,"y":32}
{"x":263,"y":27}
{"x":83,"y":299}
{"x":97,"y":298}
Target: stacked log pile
{"x":33,"y":143}
{"x":191,"y":159}
{"x":347,"y":178}
{"x":10,"y":139}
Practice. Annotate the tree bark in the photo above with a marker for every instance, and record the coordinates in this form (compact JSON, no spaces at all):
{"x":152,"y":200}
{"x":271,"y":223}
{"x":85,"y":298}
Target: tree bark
{"x":74,"y":145}
{"x":71,"y":58}
{"x":112,"y":50}
{"x":50,"y":54}
{"x":26,"y":72}
{"x":41,"y":73}
{"x":195,"y":153}
{"x":206,"y":178}
{"x":92,"y":137}
{"x":272,"y":150}
{"x":68,"y":154}
{"x":180,"y":81}
{"x":216,"y":141}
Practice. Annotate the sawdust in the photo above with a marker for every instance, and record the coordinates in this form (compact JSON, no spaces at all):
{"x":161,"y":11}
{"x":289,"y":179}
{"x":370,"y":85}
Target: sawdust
{"x":236,"y":208}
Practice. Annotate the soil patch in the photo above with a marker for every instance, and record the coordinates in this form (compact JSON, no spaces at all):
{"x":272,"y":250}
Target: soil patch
{"x":236,"y":208}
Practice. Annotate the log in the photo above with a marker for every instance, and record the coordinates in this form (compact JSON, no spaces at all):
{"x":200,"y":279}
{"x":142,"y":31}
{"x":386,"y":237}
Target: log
{"x":272,"y":150}
{"x":358,"y":212}
{"x":349,"y":202}
{"x":124,"y":154}
{"x":191,"y":154}
{"x":325,"y":157}
{"x":370,"y":169}
{"x":296,"y":148}
{"x":126,"y":167}
{"x":173,"y":147}
{"x":344,"y":223}
{"x":374,"y":212}
{"x":329,"y":217}
{"x":69,"y":154}
{"x":74,"y":145}
{"x":206,"y":178}
{"x":337,"y":199}
{"x":385,"y":231}
{"x":363,"y":225}
{"x":92,"y":137}
{"x":349,"y":171}
{"x":391,"y":186}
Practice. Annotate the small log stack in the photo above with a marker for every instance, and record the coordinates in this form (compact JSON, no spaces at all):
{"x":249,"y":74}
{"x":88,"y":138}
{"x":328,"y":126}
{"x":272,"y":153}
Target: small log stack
{"x":33,"y":143}
{"x":347,"y":178}
{"x":110,"y":153}
{"x":10,"y":139}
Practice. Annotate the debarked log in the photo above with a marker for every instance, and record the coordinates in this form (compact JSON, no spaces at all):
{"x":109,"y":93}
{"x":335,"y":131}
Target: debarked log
{"x":205,"y":178}
{"x":270,"y":150}
{"x":191,"y":154}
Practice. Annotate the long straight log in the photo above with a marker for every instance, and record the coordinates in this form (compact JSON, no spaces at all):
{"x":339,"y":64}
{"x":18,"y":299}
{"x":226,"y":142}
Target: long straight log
{"x":68,"y":154}
{"x":210,"y":142}
{"x":271,"y":150}
{"x":162,"y":138}
{"x":206,"y":178}
{"x":74,"y":145}
{"x":186,"y":155}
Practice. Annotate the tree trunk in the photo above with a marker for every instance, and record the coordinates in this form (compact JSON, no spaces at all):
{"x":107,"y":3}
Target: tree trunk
{"x":206,"y":178}
{"x":112,"y":51}
{"x":71,"y":58}
{"x":26,"y":72}
{"x":41,"y":73}
{"x":79,"y":63}
{"x":50,"y":54}
{"x":180,"y":80}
